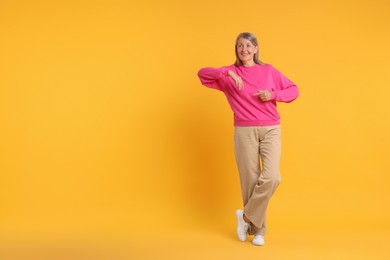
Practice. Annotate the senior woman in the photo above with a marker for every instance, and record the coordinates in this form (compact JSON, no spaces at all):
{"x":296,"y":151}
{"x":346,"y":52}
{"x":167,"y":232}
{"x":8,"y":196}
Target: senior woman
{"x":253,"y":89}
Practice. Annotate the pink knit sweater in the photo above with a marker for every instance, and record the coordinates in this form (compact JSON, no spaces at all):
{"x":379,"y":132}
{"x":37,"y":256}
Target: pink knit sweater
{"x":248,"y":109}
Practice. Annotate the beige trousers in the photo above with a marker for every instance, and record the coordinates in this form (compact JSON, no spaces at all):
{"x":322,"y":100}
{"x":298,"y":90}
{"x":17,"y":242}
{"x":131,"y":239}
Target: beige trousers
{"x":257,"y":150}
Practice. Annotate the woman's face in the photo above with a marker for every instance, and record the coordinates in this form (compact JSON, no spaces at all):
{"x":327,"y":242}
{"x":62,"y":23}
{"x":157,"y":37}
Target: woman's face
{"x":246,"y":51}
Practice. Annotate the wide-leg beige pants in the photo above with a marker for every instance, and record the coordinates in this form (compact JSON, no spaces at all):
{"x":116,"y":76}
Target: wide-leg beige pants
{"x":257,"y":150}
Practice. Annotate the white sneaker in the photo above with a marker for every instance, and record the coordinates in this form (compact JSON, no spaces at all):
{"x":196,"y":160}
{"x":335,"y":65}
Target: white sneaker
{"x":258,"y":240}
{"x":242,"y":227}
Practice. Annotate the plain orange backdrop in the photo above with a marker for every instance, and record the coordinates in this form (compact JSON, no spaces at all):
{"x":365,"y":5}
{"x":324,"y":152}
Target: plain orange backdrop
{"x":106,"y":129}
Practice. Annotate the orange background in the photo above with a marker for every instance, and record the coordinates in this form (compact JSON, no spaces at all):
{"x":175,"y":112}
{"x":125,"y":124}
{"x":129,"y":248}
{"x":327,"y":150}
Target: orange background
{"x":110,"y":145}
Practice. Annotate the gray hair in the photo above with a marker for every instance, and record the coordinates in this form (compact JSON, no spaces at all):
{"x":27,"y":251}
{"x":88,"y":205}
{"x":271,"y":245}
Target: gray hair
{"x":252,"y":38}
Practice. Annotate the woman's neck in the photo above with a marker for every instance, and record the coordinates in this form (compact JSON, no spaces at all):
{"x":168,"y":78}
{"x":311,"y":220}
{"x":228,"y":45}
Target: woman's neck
{"x":248,"y":63}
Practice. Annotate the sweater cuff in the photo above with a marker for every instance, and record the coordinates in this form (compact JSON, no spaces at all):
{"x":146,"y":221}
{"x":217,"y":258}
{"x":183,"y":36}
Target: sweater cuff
{"x":273,"y":94}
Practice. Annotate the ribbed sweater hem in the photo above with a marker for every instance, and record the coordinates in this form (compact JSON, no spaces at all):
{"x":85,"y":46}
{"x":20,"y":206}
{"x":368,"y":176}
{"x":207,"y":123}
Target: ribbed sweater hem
{"x":256,"y":122}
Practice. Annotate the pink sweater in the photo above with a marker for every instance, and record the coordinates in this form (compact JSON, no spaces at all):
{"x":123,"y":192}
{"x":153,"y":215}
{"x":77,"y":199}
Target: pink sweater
{"x":248,"y":109}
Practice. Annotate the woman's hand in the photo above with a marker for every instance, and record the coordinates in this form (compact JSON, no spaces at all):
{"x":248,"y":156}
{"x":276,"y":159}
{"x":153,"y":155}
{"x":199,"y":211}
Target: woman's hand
{"x":264,"y":95}
{"x":236,"y":79}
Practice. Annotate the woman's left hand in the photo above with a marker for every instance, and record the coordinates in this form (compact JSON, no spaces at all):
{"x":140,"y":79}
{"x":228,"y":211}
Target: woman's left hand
{"x":264,"y":95}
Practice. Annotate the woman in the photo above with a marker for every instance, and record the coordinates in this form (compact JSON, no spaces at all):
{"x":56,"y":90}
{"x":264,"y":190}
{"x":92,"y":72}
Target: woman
{"x":252,"y":89}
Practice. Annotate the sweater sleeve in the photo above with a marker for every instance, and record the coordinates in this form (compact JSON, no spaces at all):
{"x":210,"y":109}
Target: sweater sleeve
{"x":213,"y":77}
{"x":285,"y":90}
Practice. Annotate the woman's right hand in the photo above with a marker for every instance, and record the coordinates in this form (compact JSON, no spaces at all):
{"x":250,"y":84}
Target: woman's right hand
{"x":236,"y":79}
